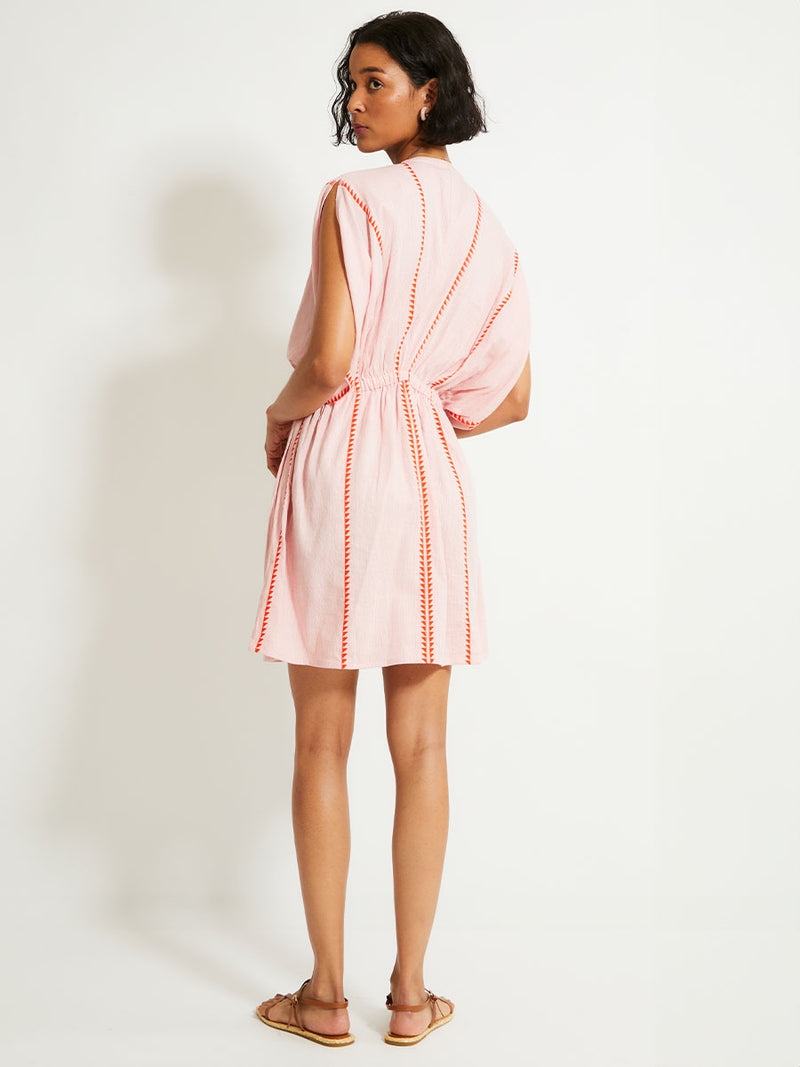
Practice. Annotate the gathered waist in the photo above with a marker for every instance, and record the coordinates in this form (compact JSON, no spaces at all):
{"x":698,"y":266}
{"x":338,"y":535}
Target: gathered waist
{"x":371,"y":379}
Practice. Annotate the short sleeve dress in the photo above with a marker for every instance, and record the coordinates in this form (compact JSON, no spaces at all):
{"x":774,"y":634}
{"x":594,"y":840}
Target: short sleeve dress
{"x":371,"y":554}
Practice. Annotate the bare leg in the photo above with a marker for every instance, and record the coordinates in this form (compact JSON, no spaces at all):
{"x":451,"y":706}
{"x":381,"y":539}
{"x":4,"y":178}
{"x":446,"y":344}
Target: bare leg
{"x":416,"y":721}
{"x":325,"y":713}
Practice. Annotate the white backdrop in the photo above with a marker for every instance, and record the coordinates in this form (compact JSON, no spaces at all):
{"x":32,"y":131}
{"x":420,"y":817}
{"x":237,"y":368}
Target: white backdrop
{"x":623,"y":869}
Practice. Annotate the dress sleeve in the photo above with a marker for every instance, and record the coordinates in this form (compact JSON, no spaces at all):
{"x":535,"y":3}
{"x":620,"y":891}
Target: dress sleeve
{"x":361,"y":245}
{"x":493,"y":366}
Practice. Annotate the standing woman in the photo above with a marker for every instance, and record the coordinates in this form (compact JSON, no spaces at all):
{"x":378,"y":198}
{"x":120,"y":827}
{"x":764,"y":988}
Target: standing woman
{"x":412,"y":332}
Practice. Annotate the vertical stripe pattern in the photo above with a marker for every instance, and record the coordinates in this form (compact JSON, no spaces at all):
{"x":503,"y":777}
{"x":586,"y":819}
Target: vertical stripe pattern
{"x":371,"y":554}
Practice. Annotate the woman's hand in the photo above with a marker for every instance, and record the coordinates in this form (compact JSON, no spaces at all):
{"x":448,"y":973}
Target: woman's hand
{"x":275,"y":444}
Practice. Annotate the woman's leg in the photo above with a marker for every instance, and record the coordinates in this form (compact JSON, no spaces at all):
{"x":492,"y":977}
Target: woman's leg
{"x":325,"y":712}
{"x":416,"y":722}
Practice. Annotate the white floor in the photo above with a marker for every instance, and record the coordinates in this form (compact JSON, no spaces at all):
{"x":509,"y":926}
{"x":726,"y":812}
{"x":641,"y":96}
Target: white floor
{"x":180,"y":988}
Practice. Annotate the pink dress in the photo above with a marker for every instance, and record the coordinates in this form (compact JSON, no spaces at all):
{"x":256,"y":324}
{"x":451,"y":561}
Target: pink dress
{"x":371,"y":550}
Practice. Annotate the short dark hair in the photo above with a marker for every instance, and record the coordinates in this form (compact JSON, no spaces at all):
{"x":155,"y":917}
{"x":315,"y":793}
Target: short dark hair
{"x":425,"y":48}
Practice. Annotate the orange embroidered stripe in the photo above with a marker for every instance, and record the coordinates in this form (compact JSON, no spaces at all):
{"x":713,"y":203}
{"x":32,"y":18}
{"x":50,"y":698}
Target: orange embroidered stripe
{"x":347,"y":470}
{"x":456,"y":280}
{"x":363,"y":206}
{"x":470,"y":425}
{"x":286,"y":475}
{"x":416,"y":272}
{"x":269,"y":595}
{"x":342,"y":391}
{"x":422,"y":559}
{"x":468,"y":646}
{"x":485,"y":330}
{"x":426,"y":576}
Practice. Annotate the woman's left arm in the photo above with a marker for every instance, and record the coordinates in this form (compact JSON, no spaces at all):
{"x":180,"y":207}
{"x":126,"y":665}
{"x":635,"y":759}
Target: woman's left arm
{"x":324,"y":365}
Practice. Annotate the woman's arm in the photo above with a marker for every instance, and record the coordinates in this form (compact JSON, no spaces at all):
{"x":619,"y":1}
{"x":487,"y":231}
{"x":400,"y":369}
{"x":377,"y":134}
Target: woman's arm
{"x":321,"y":371}
{"x":513,"y":409}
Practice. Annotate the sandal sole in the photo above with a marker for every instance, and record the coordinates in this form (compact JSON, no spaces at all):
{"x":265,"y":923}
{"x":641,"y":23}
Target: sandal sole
{"x":311,"y":1035}
{"x":398,"y":1039}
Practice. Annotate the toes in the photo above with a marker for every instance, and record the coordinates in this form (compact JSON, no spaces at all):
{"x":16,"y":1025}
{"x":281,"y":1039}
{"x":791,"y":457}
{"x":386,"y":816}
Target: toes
{"x":264,"y":1008}
{"x":445,"y":1006}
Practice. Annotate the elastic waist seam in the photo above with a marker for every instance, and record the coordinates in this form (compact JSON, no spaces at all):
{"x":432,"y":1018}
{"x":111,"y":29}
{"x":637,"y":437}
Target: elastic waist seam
{"x":377,"y":380}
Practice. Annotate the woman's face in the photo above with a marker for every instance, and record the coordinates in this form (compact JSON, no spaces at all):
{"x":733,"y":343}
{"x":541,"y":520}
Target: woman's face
{"x":384,"y":102}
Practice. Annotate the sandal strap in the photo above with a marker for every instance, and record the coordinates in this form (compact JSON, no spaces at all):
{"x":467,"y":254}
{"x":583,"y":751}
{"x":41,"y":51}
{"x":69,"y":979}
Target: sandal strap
{"x":297,"y":999}
{"x":411,"y":1007}
{"x":324,"y":1003}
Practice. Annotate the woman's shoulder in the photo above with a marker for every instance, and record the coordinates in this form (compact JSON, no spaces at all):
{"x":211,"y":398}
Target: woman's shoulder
{"x":368,"y":179}
{"x":376,"y":191}
{"x":365,"y":183}
{"x":387,"y":195}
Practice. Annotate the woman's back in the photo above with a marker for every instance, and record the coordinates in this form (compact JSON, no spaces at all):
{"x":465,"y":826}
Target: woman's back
{"x":437,"y":289}
{"x":371,"y":552}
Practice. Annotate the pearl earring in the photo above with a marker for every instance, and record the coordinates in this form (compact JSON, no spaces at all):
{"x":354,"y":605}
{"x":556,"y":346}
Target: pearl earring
{"x":422,"y":114}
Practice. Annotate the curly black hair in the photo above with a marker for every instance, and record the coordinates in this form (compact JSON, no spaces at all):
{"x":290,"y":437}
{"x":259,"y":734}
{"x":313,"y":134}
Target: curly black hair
{"x":425,"y":48}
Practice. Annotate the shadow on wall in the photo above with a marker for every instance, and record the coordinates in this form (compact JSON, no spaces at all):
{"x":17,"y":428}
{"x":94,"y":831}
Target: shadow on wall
{"x":174,"y":768}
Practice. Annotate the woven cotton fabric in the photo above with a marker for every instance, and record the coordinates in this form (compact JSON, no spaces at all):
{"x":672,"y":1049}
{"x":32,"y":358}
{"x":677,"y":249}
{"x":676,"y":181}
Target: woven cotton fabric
{"x":372,"y":555}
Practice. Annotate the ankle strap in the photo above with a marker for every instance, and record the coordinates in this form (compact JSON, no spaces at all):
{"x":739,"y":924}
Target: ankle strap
{"x":320,"y":1003}
{"x":409,"y":1007}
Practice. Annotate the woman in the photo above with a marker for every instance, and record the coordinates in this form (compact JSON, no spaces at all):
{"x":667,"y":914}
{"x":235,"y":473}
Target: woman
{"x":413,"y":331}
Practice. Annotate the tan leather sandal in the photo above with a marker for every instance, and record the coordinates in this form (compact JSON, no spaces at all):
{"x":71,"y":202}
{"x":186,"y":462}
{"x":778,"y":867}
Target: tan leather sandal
{"x":432,"y":1000}
{"x":297,"y":1027}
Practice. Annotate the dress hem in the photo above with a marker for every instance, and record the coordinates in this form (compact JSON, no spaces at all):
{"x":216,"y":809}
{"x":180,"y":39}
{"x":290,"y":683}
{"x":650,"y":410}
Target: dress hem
{"x":367,"y":666}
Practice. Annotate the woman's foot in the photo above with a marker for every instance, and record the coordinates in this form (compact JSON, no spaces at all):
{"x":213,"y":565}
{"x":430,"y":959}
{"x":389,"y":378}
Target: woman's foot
{"x":330,"y":1021}
{"x":411,"y":1023}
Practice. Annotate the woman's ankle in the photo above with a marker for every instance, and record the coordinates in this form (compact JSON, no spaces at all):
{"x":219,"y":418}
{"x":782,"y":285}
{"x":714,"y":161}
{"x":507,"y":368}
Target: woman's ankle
{"x":328,"y":989}
{"x":407,"y":989}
